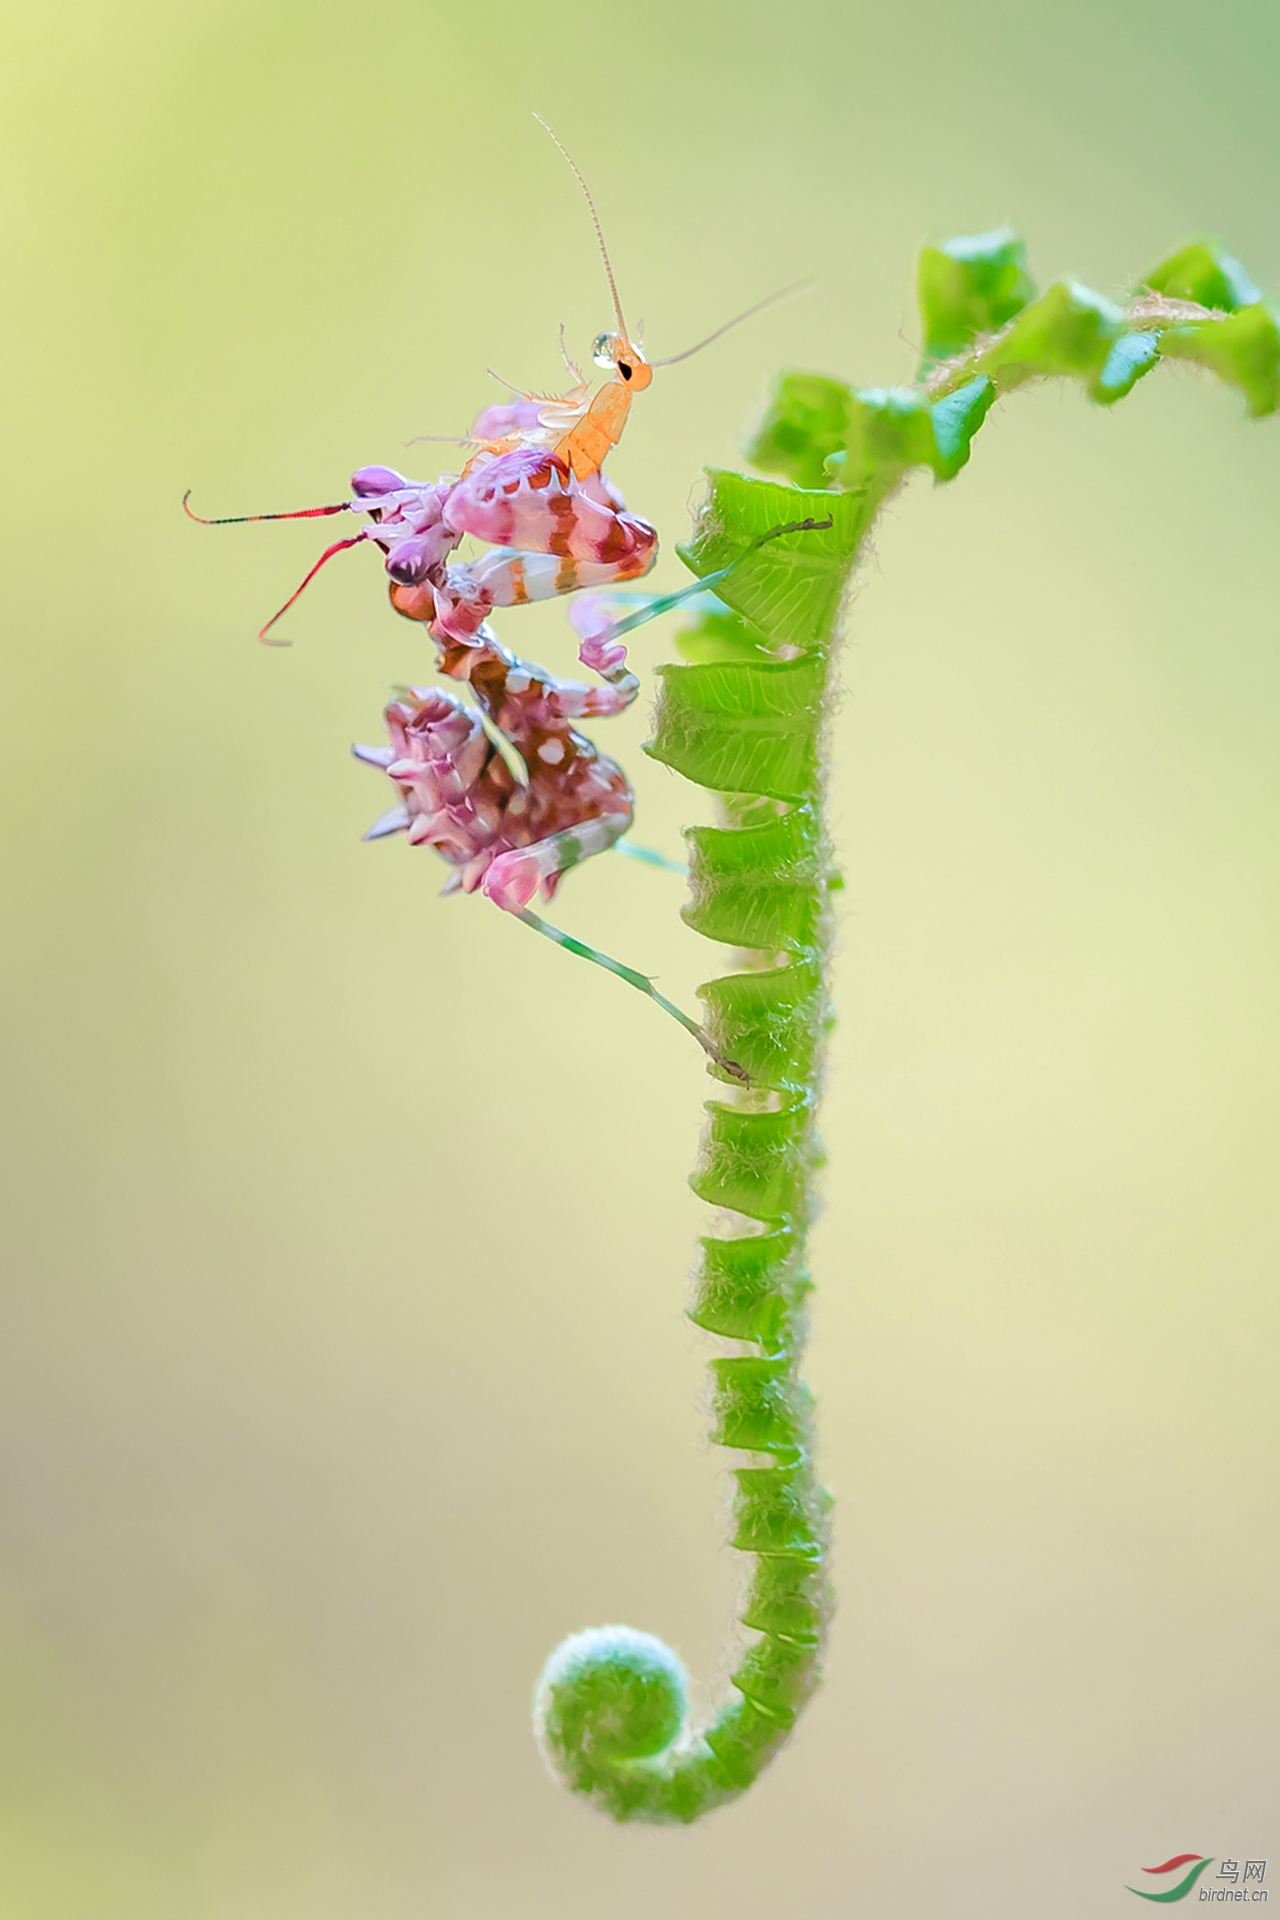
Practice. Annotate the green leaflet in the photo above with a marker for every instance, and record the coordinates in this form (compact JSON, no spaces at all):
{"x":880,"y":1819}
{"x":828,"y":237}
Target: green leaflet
{"x":789,"y":1600}
{"x":749,"y":1288}
{"x":956,"y":418}
{"x":745,"y":719}
{"x":779,"y":1510}
{"x":778,"y":1676}
{"x":797,"y":438}
{"x":744,"y":728}
{"x":722,"y":635}
{"x":772,"y":1022}
{"x":887,"y":431}
{"x":1132,"y":355}
{"x":759,"y":886}
{"x":758,"y":1406}
{"x":1243,"y":350}
{"x":1068,"y":333}
{"x":970,"y":286}
{"x":1207,"y":276}
{"x":756,"y":1163}
{"x":791,"y":588}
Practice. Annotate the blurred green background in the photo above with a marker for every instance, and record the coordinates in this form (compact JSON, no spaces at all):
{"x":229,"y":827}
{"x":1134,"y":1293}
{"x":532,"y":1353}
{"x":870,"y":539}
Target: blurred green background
{"x":345,"y":1227}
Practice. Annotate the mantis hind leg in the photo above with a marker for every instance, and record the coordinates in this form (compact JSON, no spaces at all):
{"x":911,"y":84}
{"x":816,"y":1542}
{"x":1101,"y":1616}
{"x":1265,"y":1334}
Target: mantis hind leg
{"x":507,"y":577}
{"x":514,"y":878}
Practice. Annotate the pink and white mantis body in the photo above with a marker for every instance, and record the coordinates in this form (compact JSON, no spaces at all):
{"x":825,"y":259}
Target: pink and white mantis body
{"x":553,"y":534}
{"x":534,"y":490}
{"x":513,"y":804}
{"x":508,"y":792}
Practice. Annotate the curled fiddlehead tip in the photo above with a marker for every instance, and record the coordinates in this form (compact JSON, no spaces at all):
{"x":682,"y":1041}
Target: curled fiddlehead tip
{"x":609,"y":1715}
{"x":608,"y":1698}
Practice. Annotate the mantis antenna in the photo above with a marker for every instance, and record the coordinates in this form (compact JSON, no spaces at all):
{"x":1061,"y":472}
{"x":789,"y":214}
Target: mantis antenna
{"x":770,"y":300}
{"x":595,"y":221}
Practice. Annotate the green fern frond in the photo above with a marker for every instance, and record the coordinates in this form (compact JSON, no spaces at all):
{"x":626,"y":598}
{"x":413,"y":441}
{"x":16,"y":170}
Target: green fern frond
{"x":746,"y":718}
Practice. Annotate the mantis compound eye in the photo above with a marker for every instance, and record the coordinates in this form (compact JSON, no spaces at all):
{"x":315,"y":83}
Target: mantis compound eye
{"x":604,"y":349}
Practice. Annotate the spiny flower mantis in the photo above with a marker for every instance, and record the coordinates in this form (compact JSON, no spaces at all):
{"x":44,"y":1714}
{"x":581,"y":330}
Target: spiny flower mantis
{"x":747,"y":718}
{"x":508,"y":792}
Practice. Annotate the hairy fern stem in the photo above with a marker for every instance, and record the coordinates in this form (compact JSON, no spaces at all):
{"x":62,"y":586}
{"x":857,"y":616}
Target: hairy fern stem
{"x":746,"y":718}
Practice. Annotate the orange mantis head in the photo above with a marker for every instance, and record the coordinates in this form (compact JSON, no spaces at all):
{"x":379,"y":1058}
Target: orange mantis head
{"x":620,"y":352}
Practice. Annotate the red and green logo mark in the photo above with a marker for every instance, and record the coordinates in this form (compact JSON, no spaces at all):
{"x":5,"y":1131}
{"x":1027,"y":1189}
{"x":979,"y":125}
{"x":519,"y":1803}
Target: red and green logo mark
{"x":1184,"y":1886}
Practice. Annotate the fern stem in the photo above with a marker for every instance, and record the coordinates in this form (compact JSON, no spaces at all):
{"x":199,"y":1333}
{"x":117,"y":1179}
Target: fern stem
{"x":746,"y":719}
{"x":611,"y":1706}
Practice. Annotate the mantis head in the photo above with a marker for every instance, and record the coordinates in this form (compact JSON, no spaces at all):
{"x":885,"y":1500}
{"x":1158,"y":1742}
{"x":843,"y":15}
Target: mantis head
{"x":619,"y":351}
